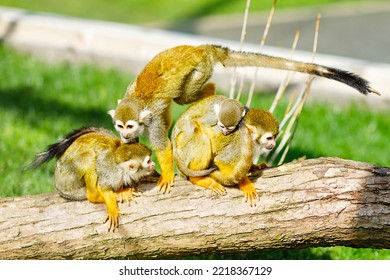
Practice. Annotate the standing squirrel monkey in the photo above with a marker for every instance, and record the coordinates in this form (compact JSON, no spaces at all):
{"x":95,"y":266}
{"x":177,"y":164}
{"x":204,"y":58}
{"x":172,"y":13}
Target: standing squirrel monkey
{"x":93,"y":164}
{"x":180,"y":74}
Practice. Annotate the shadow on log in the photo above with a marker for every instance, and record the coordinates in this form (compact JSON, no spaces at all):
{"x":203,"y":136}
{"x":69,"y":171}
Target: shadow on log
{"x":317,"y":202}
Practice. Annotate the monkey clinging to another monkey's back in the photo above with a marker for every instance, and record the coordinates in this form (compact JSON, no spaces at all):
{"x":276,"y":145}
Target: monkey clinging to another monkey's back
{"x":199,"y":145}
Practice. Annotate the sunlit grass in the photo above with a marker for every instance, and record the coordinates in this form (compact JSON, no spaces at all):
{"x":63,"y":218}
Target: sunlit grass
{"x":144,"y":12}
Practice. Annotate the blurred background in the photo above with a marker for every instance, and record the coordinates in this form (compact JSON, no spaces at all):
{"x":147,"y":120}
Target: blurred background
{"x":353,"y":28}
{"x":54,"y":80}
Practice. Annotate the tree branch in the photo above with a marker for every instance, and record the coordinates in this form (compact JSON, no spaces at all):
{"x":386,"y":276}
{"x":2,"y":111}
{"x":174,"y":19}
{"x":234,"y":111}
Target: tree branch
{"x":317,"y":202}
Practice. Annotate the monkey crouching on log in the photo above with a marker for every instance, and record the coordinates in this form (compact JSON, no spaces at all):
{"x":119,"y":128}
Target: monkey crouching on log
{"x":200,"y":146}
{"x":93,"y":164}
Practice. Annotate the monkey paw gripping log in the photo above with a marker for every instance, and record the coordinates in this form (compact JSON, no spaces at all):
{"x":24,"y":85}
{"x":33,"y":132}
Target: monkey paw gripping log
{"x":126,"y":195}
{"x":250,"y":194}
{"x":208,"y":183}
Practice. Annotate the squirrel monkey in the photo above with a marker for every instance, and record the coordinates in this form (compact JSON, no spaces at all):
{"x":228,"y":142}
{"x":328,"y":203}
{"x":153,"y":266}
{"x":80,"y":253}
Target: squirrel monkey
{"x":93,"y":164}
{"x":201,"y":146}
{"x":180,"y":74}
{"x":264,"y":129}
{"x":218,"y":111}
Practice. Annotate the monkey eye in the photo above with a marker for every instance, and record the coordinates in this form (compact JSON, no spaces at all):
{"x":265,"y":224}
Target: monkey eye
{"x":120,"y":126}
{"x":130,"y":126}
{"x":270,"y":138}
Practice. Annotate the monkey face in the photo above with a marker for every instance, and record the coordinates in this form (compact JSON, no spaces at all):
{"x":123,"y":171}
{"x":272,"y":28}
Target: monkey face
{"x":226,"y":130}
{"x":130,"y":120}
{"x":135,"y":169}
{"x":128,"y":131}
{"x":267,"y":142}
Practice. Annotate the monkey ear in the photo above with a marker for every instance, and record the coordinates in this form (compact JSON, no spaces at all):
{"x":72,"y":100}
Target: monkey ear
{"x":145,"y":116}
{"x":251,"y":128}
{"x":119,"y":101}
{"x":133,"y":166}
{"x":111,"y":113}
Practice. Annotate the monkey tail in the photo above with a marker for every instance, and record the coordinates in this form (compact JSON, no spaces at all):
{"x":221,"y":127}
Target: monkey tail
{"x":193,"y":173}
{"x":241,"y":59}
{"x":58,"y":149}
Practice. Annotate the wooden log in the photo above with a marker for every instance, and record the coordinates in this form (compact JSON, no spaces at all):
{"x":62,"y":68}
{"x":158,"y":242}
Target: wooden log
{"x":316,"y":202}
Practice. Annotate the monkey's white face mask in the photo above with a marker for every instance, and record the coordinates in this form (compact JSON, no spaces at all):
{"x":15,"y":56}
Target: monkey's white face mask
{"x":129,"y":131}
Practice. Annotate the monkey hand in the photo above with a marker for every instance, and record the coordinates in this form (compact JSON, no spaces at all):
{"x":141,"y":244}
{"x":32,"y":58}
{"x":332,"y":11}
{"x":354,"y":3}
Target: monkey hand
{"x":112,"y":217}
{"x":126,"y":195}
{"x":113,"y":222}
{"x":250,"y":194}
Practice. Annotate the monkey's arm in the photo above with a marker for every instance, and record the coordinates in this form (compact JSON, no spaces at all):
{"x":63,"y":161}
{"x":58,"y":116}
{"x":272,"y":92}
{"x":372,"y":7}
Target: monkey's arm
{"x":165,"y":158}
{"x":97,"y":194}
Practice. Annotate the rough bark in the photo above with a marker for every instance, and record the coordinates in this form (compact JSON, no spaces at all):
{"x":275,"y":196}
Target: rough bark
{"x":317,"y":202}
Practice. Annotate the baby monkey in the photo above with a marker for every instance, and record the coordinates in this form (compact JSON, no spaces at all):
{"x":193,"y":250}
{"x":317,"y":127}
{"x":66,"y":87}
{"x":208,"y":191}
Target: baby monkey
{"x":216,"y":110}
{"x":94,"y":164}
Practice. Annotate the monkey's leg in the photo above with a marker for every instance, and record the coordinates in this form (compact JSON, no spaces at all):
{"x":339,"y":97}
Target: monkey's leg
{"x":250,"y":194}
{"x":126,"y":195}
{"x":195,"y":91}
{"x":112,"y":208}
{"x":165,"y":159}
{"x":207,"y":90}
{"x":208,"y":183}
{"x":96,"y":194}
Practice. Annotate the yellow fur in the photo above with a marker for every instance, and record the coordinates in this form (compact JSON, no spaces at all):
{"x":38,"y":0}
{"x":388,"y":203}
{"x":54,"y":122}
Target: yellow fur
{"x":93,"y":164}
{"x":199,"y":145}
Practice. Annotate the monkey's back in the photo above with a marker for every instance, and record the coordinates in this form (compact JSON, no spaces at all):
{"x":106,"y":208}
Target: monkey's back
{"x":78,"y":159}
{"x":175,"y":72}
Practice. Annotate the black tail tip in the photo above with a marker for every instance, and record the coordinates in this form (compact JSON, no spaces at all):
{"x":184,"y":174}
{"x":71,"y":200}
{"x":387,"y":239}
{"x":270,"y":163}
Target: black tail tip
{"x":353,"y":80}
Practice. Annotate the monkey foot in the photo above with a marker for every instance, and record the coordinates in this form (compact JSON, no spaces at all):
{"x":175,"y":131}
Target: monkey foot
{"x":250,"y":194}
{"x":126,"y":195}
{"x":164,"y":184}
{"x":208,"y":183}
{"x":260,"y":166}
{"x":113,"y":221}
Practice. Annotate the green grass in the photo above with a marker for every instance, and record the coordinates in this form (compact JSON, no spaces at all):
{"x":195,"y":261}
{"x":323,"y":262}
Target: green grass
{"x":143,"y":12}
{"x":40,"y":103}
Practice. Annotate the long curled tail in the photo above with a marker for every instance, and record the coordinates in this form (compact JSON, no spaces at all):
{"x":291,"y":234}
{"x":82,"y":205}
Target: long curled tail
{"x":58,"y":149}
